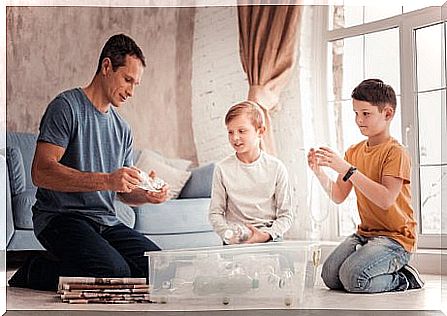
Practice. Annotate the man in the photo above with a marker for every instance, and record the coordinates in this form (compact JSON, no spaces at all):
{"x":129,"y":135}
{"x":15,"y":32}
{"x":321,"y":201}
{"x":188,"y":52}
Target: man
{"x":83,"y":161}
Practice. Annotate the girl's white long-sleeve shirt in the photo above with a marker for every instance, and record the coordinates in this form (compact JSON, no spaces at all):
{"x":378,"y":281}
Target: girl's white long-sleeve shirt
{"x":257,"y":193}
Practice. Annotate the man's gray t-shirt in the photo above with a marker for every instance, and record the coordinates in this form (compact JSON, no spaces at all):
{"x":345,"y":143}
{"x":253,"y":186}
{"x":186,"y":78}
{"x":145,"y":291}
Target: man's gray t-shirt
{"x":93,"y":142}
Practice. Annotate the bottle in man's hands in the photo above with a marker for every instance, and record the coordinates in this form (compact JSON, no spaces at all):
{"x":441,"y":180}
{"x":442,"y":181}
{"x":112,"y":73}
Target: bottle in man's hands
{"x":236,"y":233}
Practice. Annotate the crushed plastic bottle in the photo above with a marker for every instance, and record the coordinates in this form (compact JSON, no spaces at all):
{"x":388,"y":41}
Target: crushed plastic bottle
{"x":236,"y":233}
{"x":228,"y":284}
{"x":150,"y":184}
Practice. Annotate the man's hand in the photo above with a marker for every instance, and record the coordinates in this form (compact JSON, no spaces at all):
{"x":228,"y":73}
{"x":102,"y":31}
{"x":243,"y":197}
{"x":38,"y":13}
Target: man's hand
{"x":328,"y":158}
{"x":257,"y":236}
{"x":139,"y":196}
{"x":159,"y":196}
{"x":124,"y":180}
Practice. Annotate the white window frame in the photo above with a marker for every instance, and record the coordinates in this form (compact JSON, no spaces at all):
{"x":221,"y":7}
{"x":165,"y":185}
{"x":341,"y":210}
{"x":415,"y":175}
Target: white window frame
{"x":406,"y":23}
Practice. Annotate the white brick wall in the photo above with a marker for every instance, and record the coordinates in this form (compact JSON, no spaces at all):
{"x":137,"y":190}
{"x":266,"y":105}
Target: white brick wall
{"x":218,"y":81}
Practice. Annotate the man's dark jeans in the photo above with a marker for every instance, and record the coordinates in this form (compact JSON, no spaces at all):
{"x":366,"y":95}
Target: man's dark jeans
{"x":82,"y":247}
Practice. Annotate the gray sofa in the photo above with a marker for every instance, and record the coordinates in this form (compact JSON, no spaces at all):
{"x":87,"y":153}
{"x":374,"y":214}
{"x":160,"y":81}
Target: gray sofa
{"x":178,"y":223}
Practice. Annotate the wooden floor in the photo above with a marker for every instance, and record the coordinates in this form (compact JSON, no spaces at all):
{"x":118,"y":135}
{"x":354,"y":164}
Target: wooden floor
{"x":431,"y":300}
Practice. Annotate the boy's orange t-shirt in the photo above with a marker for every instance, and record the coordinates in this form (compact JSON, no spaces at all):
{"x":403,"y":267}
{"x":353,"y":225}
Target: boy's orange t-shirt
{"x":396,"y":222}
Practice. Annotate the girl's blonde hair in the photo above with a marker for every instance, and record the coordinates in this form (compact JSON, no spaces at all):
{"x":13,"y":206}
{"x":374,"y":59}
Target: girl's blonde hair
{"x":250,"y":108}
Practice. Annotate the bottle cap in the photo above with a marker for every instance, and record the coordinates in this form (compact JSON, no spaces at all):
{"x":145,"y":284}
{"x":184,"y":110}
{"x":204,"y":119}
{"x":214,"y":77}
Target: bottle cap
{"x":228,"y":234}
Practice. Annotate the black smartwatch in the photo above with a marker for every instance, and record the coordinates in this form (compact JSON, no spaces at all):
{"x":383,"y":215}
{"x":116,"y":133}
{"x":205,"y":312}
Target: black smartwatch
{"x":349,"y":173}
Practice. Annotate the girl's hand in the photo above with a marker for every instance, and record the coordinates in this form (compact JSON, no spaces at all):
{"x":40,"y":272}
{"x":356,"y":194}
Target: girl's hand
{"x":328,"y":158}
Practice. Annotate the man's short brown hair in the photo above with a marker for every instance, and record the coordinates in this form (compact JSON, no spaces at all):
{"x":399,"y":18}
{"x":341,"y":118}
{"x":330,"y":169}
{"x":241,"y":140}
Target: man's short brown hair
{"x":117,"y":48}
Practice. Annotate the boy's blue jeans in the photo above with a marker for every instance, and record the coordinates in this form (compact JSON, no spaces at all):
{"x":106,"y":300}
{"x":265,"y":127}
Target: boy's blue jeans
{"x":366,"y":265}
{"x":82,"y":247}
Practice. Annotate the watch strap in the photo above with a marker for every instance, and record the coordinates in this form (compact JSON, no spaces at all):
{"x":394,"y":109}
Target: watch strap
{"x":349,"y":173}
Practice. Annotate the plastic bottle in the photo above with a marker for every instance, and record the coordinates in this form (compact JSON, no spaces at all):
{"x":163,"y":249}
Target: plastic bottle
{"x":236,"y":233}
{"x":228,"y":284}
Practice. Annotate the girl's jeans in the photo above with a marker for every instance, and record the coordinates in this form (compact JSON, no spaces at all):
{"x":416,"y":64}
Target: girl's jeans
{"x":366,"y":265}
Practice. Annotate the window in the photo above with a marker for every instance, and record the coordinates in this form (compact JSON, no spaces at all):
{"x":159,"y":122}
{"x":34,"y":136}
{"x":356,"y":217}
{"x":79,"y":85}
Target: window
{"x":407,"y":50}
{"x":431,"y":117}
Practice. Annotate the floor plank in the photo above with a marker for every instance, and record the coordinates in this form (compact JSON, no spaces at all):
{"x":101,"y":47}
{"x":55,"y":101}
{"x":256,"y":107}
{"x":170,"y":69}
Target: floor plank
{"x":430,"y":300}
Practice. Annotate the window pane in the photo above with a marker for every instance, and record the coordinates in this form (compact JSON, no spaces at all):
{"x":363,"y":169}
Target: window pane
{"x":348,"y":15}
{"x":375,"y":13}
{"x":330,"y":12}
{"x":353,"y":15}
{"x":348,"y":215}
{"x":382,"y":57}
{"x":350,"y":68}
{"x":414,"y":5}
{"x":352,"y":65}
{"x":329,"y":72}
{"x":431,"y":191}
{"x":332,"y":125}
{"x":428,"y":57}
{"x":431,"y":117}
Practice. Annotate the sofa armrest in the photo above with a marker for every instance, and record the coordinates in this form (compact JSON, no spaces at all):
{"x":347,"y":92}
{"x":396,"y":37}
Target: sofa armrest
{"x":9,"y":214}
{"x":177,"y":216}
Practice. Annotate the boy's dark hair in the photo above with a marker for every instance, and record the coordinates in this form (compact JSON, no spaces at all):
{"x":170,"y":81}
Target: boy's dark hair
{"x":117,"y":48}
{"x":375,"y":92}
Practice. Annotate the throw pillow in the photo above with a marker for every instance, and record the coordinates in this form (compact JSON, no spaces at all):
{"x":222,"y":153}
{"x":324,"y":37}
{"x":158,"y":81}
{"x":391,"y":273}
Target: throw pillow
{"x":177,"y":163}
{"x":199,"y":185}
{"x":174,"y":177}
{"x":16,"y":170}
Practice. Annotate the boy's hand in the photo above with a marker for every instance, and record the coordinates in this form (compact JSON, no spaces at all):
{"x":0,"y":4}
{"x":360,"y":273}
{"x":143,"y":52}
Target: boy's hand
{"x":257,"y":236}
{"x":312,"y":161}
{"x":328,"y":158}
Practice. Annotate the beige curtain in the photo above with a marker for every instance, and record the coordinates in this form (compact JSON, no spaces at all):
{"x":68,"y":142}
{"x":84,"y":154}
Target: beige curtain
{"x":267,"y":42}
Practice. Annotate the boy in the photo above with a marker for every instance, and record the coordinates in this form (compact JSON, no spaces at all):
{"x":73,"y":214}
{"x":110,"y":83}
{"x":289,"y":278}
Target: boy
{"x":250,"y":187}
{"x":375,"y":258}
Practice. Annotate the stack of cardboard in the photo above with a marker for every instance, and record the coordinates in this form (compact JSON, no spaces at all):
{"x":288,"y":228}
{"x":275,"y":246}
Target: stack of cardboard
{"x":84,"y":290}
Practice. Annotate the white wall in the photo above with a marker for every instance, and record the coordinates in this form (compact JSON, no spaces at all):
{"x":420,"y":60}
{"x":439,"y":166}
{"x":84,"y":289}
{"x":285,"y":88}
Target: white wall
{"x":218,"y":81}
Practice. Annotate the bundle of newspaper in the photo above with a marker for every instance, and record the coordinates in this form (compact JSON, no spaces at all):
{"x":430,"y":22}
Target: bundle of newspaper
{"x":85,"y":290}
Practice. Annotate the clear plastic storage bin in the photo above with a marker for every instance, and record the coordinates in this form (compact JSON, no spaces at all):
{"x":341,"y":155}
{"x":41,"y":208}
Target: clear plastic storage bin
{"x":240,"y":275}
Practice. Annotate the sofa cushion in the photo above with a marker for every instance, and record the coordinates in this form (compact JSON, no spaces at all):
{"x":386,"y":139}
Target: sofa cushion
{"x":23,"y":214}
{"x":177,"y":163}
{"x":199,"y":185}
{"x":125,"y":213}
{"x":176,"y":178}
{"x":16,"y":170}
{"x":173,"y":217}
{"x":26,"y":142}
{"x":21,"y":205}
